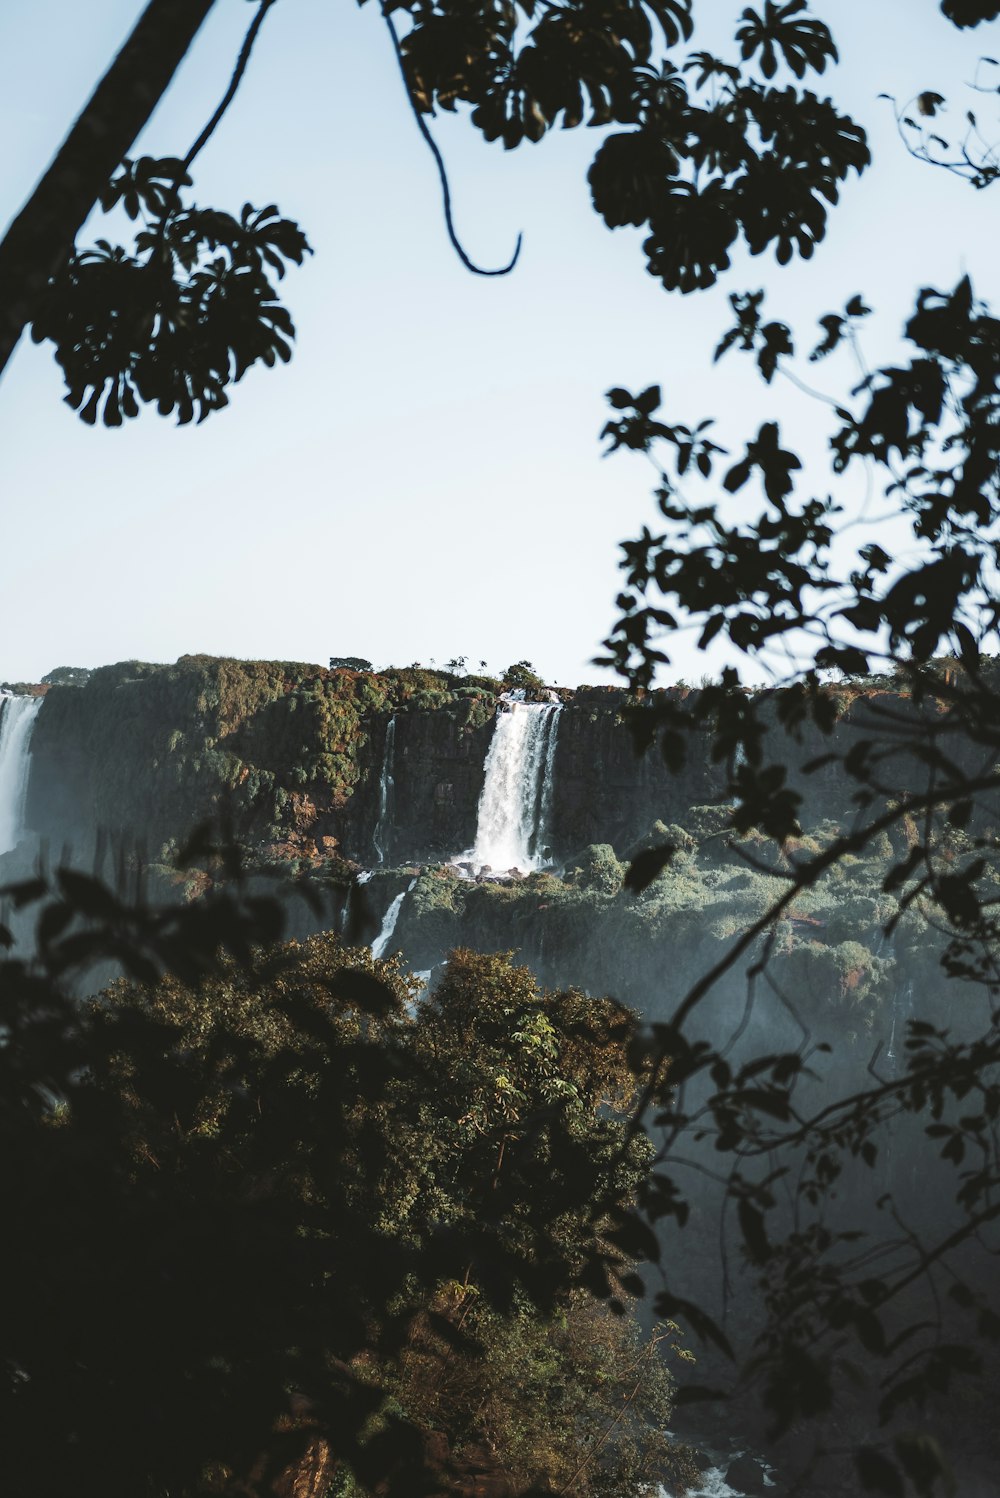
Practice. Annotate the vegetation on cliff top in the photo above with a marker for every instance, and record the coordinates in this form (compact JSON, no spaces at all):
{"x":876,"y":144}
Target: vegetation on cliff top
{"x":260,"y":743}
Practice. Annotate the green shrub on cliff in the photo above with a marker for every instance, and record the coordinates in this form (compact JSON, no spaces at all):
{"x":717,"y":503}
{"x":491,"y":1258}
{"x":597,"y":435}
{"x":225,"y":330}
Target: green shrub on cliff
{"x":599,"y":870}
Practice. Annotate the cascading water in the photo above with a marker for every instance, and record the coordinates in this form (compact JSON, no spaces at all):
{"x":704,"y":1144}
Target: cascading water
{"x":17,"y":719}
{"x":381,"y":942}
{"x":543,"y":835}
{"x":516,"y":800}
{"x":386,"y":790}
{"x":902,"y":1007}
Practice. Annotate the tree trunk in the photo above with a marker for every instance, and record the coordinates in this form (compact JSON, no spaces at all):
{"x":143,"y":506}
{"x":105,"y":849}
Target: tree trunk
{"x":43,"y":234}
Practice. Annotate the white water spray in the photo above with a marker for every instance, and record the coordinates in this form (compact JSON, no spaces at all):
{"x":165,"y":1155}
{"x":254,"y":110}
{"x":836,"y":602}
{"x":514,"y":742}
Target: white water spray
{"x":381,"y":942}
{"x":17,"y":719}
{"x":386,"y":788}
{"x":517,"y":789}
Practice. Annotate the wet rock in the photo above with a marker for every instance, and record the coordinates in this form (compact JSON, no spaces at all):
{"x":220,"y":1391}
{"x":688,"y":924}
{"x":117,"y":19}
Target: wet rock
{"x":746,"y":1476}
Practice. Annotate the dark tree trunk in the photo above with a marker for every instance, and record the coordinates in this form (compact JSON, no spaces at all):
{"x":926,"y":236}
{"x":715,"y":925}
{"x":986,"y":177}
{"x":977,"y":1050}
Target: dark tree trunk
{"x":43,"y":234}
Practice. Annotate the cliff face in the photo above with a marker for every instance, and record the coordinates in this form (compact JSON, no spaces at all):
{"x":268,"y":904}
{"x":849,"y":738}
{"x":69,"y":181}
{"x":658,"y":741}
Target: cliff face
{"x":300,"y":763}
{"x":290,"y":756}
{"x":604,"y":792}
{"x":312,"y":765}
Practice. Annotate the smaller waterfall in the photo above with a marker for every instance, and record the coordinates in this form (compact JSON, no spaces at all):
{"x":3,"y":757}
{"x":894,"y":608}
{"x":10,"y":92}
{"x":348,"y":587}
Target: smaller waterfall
{"x":381,"y":942}
{"x":543,"y":832}
{"x":386,"y":794}
{"x":17,"y":719}
{"x":516,"y":798}
{"x":902,"y":1008}
{"x":342,"y":918}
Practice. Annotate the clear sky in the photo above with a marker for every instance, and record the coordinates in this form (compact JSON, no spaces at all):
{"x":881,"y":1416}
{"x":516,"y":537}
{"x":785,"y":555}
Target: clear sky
{"x":424,"y":480}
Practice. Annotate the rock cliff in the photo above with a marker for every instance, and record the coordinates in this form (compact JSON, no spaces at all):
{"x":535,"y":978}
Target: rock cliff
{"x":298,"y":761}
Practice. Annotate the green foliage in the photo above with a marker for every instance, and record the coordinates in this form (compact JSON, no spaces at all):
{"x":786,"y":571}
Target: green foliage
{"x":703,"y":155}
{"x":703,"y":822}
{"x":598,"y":869}
{"x":267,"y":1173}
{"x":522,"y":676}
{"x":271,"y":745}
{"x":529,"y":1387}
{"x":67,"y":676}
{"x":178,"y":316}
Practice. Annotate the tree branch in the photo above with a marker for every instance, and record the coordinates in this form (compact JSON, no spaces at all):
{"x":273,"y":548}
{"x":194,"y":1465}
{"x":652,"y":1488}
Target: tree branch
{"x":42,"y":235}
{"x":477,"y":270}
{"x":234,"y":82}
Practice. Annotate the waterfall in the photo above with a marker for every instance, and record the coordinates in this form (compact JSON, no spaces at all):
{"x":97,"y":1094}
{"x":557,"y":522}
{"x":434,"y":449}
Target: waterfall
{"x":384,"y":937}
{"x":386,"y":789}
{"x":516,"y":800}
{"x":17,"y":719}
{"x":902,"y":1007}
{"x":543,"y":835}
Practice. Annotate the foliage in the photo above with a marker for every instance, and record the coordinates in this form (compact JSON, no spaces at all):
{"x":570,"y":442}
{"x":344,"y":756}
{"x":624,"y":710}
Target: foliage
{"x":706,"y":153}
{"x":67,"y":676}
{"x":747,"y":555}
{"x":276,"y":747}
{"x":523,"y":677}
{"x":598,"y":869}
{"x":531,"y":1386}
{"x":183,"y":314}
{"x":237,"y":1179}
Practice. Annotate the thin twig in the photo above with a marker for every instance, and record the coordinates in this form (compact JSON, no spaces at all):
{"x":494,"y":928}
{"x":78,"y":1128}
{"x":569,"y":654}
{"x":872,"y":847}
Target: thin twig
{"x":234,"y":82}
{"x":477,"y":270}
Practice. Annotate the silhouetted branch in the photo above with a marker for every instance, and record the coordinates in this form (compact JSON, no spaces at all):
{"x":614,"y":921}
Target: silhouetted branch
{"x":40,"y":239}
{"x":234,"y":82}
{"x":477,"y":270}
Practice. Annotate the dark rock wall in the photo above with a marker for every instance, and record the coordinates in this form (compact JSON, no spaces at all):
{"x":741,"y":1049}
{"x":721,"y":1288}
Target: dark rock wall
{"x":604,"y":792}
{"x":291,"y":756}
{"x":438,"y":780}
{"x":145,"y":754}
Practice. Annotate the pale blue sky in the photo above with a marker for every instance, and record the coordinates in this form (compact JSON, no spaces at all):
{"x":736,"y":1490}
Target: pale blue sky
{"x":424,"y":479}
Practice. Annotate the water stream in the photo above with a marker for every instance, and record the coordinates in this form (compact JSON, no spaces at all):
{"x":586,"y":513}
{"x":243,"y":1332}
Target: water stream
{"x":17,"y":719}
{"x":381,"y":942}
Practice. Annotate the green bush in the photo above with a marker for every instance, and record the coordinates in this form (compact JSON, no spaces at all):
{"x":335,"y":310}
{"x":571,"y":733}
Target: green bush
{"x":598,"y":869}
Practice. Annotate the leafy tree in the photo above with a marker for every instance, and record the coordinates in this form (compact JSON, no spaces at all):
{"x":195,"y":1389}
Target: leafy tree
{"x":237,"y":1181}
{"x":522,"y":677}
{"x":599,"y":870}
{"x":702,"y":152}
{"x":349,"y":663}
{"x":792,"y":580}
{"x":67,"y":676}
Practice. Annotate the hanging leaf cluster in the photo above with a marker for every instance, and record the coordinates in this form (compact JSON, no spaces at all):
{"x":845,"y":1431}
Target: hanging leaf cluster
{"x":178,"y":316}
{"x":708,"y":154}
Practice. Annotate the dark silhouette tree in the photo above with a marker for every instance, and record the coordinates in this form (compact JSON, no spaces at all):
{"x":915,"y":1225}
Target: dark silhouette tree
{"x":801,"y":589}
{"x":236,"y":1178}
{"x":702,"y":152}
